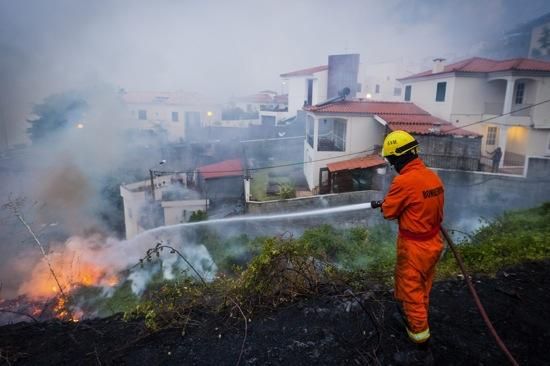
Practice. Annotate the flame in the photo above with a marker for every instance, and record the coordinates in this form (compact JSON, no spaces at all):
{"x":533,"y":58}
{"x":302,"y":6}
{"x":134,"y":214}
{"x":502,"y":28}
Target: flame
{"x":76,"y":264}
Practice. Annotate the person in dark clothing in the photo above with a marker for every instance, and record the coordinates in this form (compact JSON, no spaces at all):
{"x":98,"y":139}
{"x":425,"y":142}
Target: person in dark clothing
{"x":496,"y":156}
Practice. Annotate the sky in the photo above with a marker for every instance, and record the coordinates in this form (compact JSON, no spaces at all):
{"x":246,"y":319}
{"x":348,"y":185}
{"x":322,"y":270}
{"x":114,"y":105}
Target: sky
{"x":220,"y":48}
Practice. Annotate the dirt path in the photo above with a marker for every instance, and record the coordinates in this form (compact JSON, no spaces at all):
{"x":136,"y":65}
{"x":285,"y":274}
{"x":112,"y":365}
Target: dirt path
{"x":329,"y":330}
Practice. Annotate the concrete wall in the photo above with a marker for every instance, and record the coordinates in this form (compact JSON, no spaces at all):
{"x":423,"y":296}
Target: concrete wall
{"x":342,"y":73}
{"x":176,"y":212}
{"x":362,"y":217}
{"x":470,"y":196}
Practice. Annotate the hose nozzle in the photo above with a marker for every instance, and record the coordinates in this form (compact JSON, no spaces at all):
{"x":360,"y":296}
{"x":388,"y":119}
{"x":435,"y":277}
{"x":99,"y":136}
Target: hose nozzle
{"x":376,"y":204}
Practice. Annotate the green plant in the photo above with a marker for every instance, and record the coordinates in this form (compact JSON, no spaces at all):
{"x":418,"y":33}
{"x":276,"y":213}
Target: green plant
{"x":287,"y":190}
{"x":199,"y":215}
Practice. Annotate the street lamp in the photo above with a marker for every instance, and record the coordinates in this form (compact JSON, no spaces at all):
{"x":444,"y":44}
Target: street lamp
{"x":152,"y":174}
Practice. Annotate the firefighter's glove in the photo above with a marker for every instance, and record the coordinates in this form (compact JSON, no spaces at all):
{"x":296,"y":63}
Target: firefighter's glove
{"x":376,"y":204}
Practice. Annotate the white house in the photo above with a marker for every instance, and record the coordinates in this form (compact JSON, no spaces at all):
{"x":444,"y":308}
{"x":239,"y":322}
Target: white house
{"x":500,"y":92}
{"x":305,"y":87}
{"x":349,"y":129}
{"x":174,"y":113}
{"x":167,"y":202}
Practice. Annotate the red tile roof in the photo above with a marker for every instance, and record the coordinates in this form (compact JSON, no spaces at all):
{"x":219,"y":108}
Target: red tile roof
{"x":398,"y":115}
{"x":424,"y":125}
{"x":369,"y":161}
{"x":227,"y":168}
{"x":363,"y":106}
{"x":484,"y":65}
{"x":305,"y":72}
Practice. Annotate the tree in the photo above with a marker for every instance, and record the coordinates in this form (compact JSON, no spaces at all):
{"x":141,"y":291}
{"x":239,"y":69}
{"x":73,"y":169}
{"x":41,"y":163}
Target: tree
{"x":55,"y":113}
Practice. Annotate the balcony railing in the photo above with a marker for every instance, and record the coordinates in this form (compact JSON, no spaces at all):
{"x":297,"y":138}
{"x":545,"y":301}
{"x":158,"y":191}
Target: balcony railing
{"x":494,"y":108}
{"x":521,"y":110}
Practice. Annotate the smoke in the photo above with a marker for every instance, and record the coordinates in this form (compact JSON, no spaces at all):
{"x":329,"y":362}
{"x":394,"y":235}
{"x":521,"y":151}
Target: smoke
{"x":220,"y":48}
{"x":105,"y":262}
{"x":217,"y":48}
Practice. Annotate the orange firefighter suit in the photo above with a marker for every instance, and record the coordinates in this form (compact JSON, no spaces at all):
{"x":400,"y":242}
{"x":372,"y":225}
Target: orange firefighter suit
{"x":416,"y":199}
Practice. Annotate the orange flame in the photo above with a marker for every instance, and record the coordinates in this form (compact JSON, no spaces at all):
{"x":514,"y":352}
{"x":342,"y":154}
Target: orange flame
{"x":73,"y":268}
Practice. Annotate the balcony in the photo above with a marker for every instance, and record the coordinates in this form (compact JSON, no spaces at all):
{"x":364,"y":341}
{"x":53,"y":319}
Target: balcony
{"x":521,"y":110}
{"x":494,"y":108}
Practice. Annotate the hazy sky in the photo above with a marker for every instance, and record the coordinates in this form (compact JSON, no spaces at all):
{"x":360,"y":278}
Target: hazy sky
{"x":221,"y":48}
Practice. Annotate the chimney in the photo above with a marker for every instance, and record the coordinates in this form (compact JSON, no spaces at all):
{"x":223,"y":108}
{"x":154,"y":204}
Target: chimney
{"x":438,"y":66}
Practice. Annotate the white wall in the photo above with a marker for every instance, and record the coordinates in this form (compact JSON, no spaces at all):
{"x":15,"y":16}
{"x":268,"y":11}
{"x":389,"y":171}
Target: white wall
{"x":541,"y":113}
{"x":297,"y":90}
{"x":362,"y":133}
{"x":538,"y":142}
{"x":161,"y":115}
{"x":177,"y":212}
{"x":423,"y":95}
{"x":133,"y":201}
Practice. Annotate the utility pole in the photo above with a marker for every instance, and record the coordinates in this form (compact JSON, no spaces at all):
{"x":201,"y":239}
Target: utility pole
{"x":152,"y":185}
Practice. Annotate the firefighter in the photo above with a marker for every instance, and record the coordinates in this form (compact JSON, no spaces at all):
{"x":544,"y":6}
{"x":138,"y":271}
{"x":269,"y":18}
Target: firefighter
{"x":415,"y":199}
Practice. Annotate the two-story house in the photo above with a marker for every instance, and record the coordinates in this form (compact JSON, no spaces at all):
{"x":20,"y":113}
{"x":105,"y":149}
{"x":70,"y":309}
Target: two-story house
{"x":175,"y":114}
{"x":351,"y":130}
{"x":508,"y":96}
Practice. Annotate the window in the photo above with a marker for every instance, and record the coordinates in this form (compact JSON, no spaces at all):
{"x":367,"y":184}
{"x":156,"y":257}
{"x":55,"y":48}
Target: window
{"x":397,"y":92}
{"x":440,"y":94}
{"x":408,"y":90}
{"x":142,"y":114}
{"x":175,"y":116}
{"x":520,"y":92}
{"x":309,"y":91}
{"x":268,"y":120}
{"x":332,"y":135}
{"x":491,"y":135}
{"x":377,"y":88}
{"x":310,"y":125}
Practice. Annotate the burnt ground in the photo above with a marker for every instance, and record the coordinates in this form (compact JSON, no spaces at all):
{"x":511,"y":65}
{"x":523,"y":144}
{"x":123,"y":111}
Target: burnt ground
{"x":326,"y":330}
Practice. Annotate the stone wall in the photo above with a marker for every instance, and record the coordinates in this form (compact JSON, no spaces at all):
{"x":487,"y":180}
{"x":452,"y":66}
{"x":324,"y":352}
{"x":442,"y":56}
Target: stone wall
{"x":450,"y":152}
{"x":471,"y":196}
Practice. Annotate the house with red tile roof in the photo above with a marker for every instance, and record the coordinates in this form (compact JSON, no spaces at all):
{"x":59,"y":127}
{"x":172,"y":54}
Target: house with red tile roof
{"x":343,"y":140}
{"x":510,"y":97}
{"x":222,"y":181}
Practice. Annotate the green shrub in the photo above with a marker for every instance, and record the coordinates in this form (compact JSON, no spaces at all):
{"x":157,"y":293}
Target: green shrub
{"x":287,"y":190}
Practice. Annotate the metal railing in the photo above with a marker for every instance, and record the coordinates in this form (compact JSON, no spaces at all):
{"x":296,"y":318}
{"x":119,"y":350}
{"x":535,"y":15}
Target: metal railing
{"x":494,"y":108}
{"x":521,"y":110}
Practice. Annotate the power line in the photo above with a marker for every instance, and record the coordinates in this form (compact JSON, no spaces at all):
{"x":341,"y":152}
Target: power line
{"x":500,"y":115}
{"x":374,"y":148}
{"x":355,"y":153}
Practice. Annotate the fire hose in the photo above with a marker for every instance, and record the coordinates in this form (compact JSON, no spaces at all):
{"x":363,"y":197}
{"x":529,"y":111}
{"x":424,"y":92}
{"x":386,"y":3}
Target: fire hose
{"x":478,"y":303}
{"x":473,"y":292}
